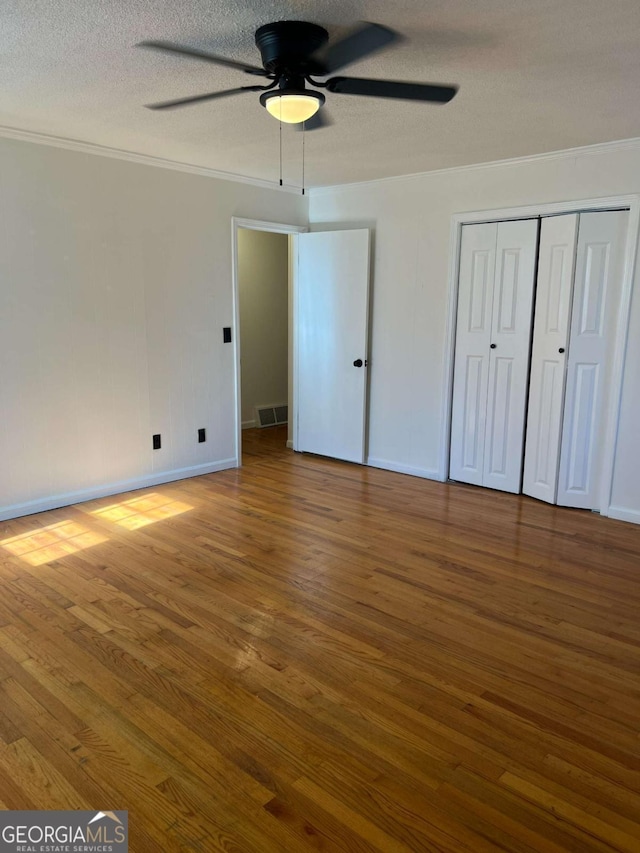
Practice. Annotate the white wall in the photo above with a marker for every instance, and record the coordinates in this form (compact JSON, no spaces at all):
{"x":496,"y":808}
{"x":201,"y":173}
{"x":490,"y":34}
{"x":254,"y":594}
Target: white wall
{"x":411,"y":219}
{"x":115,"y":283}
{"x":263,"y":290}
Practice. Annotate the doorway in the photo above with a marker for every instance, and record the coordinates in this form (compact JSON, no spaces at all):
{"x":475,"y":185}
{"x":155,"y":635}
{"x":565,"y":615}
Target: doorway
{"x":262,"y":279}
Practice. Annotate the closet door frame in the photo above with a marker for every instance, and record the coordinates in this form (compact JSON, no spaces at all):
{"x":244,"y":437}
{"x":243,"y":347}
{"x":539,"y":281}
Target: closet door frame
{"x":623,"y":202}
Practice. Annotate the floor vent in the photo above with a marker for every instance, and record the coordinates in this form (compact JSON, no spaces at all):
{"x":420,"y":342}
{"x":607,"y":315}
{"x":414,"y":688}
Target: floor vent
{"x":267,"y":416}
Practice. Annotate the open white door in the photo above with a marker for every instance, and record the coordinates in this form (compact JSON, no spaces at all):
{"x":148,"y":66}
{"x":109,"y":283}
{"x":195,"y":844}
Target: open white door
{"x":548,"y":361}
{"x":332,"y":310}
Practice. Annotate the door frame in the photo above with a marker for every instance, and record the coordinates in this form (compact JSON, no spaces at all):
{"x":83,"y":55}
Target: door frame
{"x":274,"y":228}
{"x":620,"y":202}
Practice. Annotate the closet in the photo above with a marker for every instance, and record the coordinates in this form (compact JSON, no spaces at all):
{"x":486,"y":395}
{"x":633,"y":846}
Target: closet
{"x":537,"y":311}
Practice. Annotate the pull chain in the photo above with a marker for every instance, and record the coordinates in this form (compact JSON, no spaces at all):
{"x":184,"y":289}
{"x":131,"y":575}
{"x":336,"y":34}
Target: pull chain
{"x":303,"y":135}
{"x":280,"y":153}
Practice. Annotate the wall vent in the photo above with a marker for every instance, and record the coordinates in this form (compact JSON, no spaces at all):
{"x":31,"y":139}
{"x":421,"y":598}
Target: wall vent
{"x":267,"y":416}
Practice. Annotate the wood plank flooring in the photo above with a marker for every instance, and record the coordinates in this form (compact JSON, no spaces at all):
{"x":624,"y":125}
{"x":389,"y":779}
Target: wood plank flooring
{"x":309,"y":655}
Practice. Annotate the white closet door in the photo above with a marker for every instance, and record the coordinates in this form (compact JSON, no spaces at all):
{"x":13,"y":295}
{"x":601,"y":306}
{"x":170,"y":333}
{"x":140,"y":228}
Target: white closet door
{"x":556,"y":260}
{"x":509,"y":354}
{"x":473,"y":336}
{"x":593,"y":319}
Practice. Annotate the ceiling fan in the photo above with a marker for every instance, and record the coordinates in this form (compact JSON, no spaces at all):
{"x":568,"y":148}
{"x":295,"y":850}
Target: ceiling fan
{"x":296,"y":52}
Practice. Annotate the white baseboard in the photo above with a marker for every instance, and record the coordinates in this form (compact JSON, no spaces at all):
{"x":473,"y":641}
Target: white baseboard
{"x":425,"y":473}
{"x":289,"y":444}
{"x":622,"y":514}
{"x":249,"y":424}
{"x":69,"y":498}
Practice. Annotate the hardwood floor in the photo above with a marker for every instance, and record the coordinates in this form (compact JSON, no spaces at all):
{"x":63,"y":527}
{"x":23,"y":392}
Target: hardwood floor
{"x":309,"y":655}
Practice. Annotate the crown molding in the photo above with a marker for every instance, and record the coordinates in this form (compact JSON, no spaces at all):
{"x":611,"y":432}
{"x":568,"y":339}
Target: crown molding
{"x":132,"y":157}
{"x":565,"y":154}
{"x":190,"y":168}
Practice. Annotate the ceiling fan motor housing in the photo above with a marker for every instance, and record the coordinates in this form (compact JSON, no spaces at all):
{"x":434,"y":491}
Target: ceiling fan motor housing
{"x":288,"y":46}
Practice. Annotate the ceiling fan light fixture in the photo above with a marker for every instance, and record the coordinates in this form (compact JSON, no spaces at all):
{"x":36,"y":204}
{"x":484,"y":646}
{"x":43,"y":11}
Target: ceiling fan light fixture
{"x":292,"y":106}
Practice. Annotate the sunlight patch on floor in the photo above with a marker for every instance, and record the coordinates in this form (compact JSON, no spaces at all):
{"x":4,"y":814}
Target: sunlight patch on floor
{"x":52,"y":542}
{"x":143,"y":510}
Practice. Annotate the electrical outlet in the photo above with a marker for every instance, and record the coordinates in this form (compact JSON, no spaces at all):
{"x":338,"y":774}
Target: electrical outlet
{"x":157,"y":443}
{"x":202,"y":435}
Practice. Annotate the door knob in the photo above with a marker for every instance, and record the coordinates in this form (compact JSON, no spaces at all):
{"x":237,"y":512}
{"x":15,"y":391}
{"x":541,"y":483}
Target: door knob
{"x":561,"y":350}
{"x":357,"y":362}
{"x":492,"y":346}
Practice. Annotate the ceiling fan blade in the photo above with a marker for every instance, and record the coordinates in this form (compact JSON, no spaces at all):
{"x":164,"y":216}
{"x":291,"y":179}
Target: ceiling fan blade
{"x":392,"y":89}
{"x":316,"y":122}
{"x":364,"y":40}
{"x":184,"y":102}
{"x":168,"y":47}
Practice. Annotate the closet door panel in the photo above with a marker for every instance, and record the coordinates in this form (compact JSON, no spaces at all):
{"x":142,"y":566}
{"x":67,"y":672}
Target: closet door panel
{"x":509,"y":354}
{"x":556,"y":261}
{"x":593,"y":319}
{"x":500,"y":396}
{"x":473,"y":336}
{"x":581,"y":455}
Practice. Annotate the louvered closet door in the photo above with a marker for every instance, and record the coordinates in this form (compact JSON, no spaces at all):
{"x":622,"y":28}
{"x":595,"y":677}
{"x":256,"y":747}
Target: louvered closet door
{"x":493,"y":333}
{"x":556,"y":259}
{"x":596,"y":297}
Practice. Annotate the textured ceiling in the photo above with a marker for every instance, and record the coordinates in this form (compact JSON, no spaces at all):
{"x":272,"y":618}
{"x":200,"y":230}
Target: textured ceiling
{"x":534,"y":76}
